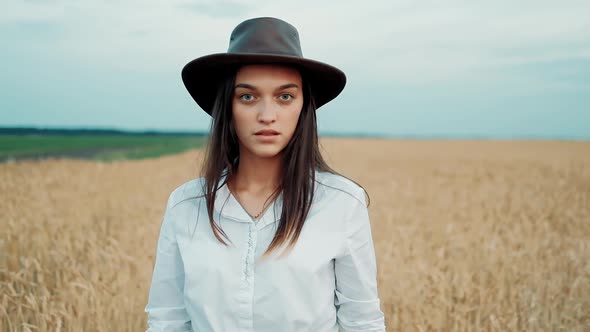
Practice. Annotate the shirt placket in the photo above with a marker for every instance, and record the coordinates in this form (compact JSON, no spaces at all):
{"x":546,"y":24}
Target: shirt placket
{"x":246,"y":295}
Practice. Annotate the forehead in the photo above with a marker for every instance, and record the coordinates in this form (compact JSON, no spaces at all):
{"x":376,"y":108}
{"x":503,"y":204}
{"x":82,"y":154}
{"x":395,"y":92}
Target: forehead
{"x":268,"y":73}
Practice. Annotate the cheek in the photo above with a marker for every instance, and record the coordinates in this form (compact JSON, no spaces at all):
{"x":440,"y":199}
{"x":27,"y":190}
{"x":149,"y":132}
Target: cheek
{"x":240,"y":119}
{"x":292,"y":117}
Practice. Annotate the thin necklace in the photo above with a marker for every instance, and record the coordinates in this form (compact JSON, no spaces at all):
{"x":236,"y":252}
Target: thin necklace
{"x":264,"y":207}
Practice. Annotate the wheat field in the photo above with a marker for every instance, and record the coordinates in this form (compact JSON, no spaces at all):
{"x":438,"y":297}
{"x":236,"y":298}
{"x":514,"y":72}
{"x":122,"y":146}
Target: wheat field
{"x":469,"y":235}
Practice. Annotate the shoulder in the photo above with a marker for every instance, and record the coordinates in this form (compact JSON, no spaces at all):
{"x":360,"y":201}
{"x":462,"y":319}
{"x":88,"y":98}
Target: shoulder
{"x":330,"y":184}
{"x":192,"y":189}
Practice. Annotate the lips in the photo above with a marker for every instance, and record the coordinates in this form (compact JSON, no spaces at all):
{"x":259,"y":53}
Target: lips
{"x":267,"y":132}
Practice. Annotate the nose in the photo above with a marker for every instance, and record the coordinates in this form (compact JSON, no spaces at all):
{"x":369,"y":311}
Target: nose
{"x":267,"y":112}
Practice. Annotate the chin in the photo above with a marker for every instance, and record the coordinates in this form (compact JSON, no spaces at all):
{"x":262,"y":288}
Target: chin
{"x":269,"y":151}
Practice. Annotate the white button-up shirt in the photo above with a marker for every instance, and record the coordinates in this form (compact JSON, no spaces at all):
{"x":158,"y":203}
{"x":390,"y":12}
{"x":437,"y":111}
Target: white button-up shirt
{"x":326,"y":283}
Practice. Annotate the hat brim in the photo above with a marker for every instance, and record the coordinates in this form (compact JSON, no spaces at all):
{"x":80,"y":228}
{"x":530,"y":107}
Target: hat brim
{"x":202,"y":76}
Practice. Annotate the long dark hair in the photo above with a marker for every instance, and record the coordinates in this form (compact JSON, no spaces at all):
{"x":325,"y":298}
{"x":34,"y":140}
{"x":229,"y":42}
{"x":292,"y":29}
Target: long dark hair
{"x":301,"y":158}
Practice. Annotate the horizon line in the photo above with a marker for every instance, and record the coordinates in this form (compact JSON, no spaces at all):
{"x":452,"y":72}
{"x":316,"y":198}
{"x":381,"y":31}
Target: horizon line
{"x":24,"y":130}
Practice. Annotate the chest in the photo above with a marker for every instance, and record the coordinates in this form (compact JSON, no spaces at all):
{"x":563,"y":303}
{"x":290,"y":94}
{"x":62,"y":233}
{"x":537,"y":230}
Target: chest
{"x":206,"y":261}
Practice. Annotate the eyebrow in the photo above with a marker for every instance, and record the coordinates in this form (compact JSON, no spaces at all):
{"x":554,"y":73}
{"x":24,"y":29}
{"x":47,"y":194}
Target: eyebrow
{"x":251,"y":87}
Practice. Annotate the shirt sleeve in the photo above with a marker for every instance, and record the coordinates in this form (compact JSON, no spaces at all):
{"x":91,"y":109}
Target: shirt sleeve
{"x":165,"y":308}
{"x":357,"y":299}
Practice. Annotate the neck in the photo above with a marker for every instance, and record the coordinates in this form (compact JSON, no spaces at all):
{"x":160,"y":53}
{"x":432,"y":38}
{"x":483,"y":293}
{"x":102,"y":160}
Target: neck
{"x":256,"y":174}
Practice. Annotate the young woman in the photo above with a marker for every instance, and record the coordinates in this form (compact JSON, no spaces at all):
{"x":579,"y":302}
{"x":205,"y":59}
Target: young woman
{"x":270,"y":238}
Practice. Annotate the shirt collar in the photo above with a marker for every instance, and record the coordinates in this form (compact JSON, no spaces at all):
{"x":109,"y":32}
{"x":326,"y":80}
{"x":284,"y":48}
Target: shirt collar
{"x":228,"y":206}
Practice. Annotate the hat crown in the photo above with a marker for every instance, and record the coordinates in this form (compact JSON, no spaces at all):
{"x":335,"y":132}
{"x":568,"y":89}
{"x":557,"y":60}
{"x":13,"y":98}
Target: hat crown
{"x":262,"y":40}
{"x":265,"y":35}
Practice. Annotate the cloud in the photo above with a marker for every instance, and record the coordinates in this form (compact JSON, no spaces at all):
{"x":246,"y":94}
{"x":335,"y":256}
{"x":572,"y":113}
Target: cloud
{"x":14,"y":11}
{"x":420,"y":43}
{"x":406,"y":40}
{"x":32,"y":31}
{"x":220,"y":8}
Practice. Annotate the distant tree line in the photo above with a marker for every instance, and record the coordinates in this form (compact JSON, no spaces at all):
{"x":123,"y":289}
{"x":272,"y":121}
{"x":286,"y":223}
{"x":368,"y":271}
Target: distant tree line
{"x":102,"y":132}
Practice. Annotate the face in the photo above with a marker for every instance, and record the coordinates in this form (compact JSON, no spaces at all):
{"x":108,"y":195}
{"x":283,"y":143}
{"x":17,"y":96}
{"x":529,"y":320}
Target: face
{"x":266,"y":105}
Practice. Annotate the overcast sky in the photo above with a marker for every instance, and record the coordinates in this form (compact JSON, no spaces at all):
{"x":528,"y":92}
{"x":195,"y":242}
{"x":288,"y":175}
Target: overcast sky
{"x":427,"y":68}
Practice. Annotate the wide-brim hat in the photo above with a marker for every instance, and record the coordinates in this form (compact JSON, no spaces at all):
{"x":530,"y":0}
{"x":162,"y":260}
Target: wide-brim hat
{"x":263,"y":40}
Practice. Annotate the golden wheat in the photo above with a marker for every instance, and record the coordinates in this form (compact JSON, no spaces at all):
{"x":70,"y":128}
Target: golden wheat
{"x":470,"y":235}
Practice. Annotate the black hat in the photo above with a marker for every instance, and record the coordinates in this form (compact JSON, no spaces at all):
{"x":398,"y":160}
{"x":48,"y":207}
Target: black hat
{"x":263,"y":40}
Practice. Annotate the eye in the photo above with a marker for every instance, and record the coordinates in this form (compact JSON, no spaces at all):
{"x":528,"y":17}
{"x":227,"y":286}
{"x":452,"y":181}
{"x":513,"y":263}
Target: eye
{"x":247,"y":97}
{"x":285,"y":97}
